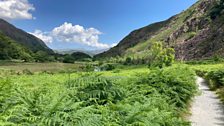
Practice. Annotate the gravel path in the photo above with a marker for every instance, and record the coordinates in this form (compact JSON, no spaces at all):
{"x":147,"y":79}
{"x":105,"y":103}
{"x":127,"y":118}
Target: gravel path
{"x":207,"y":110}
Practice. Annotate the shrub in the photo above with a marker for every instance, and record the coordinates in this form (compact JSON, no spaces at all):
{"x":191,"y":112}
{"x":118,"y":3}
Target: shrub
{"x":107,"y":67}
{"x":128,"y":61}
{"x":68,"y":59}
{"x":159,"y":56}
{"x":216,"y":79}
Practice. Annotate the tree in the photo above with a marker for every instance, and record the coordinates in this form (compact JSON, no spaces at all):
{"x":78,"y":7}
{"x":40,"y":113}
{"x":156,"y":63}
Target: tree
{"x":68,"y":59}
{"x":41,"y":56}
{"x":128,"y":61}
{"x":159,"y":56}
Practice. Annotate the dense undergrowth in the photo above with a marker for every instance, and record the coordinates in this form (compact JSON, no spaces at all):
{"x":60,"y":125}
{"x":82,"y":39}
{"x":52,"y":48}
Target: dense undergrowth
{"x":214,"y":74}
{"x":216,"y":81}
{"x":157,"y":98}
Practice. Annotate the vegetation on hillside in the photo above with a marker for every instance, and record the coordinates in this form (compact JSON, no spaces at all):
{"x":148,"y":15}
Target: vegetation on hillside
{"x":76,"y":56}
{"x":12,"y":50}
{"x":217,"y":10}
{"x":23,"y":38}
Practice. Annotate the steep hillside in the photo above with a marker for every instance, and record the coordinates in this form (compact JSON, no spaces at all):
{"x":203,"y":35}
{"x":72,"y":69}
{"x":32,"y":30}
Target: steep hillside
{"x":195,"y":33}
{"x":23,"y":38}
{"x":134,"y":38}
{"x":12,"y":50}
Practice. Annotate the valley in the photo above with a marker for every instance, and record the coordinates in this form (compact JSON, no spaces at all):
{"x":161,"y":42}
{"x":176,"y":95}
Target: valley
{"x":168,"y":73}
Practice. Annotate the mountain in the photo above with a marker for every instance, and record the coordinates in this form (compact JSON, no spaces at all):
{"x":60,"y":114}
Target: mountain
{"x":89,"y":52}
{"x":12,"y":50}
{"x":23,"y":38}
{"x":196,"y":33}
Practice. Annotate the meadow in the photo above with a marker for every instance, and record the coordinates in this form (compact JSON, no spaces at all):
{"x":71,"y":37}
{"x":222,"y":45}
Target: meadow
{"x":124,"y":96}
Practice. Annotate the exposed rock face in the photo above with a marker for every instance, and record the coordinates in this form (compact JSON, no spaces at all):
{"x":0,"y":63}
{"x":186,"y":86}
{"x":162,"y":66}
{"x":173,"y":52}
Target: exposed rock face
{"x":207,"y":40}
{"x":194,"y":34}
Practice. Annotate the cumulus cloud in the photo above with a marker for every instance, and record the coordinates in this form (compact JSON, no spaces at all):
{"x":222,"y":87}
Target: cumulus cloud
{"x":68,"y":32}
{"x":43,"y":36}
{"x":15,"y":9}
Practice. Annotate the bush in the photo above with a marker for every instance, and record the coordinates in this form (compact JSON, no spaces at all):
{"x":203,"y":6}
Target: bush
{"x":128,"y":61}
{"x":68,"y":59}
{"x":216,"y":82}
{"x":107,"y":67}
{"x":159,"y":56}
{"x":177,"y":83}
{"x":216,"y":79}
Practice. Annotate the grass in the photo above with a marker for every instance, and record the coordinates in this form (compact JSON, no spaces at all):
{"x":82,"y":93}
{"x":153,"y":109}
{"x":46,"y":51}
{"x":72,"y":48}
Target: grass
{"x":38,"y":67}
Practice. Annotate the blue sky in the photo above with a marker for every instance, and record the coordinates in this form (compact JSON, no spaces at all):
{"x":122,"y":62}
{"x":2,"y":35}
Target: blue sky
{"x":100,"y":23}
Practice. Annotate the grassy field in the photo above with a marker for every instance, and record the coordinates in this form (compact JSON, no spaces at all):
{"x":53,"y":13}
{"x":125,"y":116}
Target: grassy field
{"x":38,"y":67}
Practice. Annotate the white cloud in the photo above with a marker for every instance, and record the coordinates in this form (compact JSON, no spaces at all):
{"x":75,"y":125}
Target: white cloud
{"x":43,"y":36}
{"x":68,"y":32}
{"x":16,"y":9}
{"x":114,"y":44}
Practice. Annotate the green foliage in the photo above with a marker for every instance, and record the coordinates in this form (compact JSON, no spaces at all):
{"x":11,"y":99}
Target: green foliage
{"x":217,"y":10}
{"x":68,"y":59}
{"x":96,"y":90}
{"x":216,"y":78}
{"x":157,"y":98}
{"x":214,"y":74}
{"x":159,"y":56}
{"x":128,"y":61}
{"x":76,"y":56}
{"x":42,"y":56}
{"x":79,"y":56}
{"x":87,"y":68}
{"x":12,"y":50}
{"x":107,"y":67}
{"x":191,"y":35}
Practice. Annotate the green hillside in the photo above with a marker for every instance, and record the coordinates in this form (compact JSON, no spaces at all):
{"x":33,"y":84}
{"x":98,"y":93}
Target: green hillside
{"x":12,"y":50}
{"x":27,"y":40}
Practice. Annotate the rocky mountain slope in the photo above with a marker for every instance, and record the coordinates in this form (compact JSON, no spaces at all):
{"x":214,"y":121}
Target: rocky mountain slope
{"x":21,"y":37}
{"x":195,"y":33}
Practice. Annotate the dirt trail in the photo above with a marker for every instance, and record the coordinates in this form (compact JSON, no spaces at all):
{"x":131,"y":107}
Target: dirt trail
{"x":207,"y":110}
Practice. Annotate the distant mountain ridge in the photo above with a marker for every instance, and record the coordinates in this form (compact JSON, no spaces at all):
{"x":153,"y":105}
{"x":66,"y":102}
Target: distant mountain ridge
{"x":196,"y":33}
{"x":89,"y":52}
